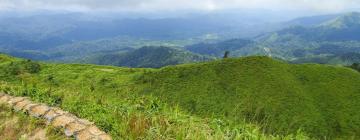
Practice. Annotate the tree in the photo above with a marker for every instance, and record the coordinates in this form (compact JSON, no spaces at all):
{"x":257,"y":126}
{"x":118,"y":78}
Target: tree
{"x":356,"y":66}
{"x":226,"y":55}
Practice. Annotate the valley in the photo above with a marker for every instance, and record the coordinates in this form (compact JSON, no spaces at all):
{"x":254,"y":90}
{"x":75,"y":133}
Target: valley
{"x":166,"y":70}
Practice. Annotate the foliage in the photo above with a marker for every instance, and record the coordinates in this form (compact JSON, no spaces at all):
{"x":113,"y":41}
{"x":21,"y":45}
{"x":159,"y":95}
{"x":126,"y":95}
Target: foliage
{"x":281,"y":98}
{"x":18,"y":67}
{"x":149,"y":57}
{"x":117,"y":106}
{"x":355,"y":66}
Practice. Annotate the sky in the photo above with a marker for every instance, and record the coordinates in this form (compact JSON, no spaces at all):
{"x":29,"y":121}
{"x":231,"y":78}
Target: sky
{"x":171,"y":5}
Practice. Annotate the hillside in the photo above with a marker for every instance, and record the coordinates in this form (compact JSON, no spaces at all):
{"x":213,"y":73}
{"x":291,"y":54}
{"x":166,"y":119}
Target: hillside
{"x":319,"y":99}
{"x":224,"y":99}
{"x":148,"y":57}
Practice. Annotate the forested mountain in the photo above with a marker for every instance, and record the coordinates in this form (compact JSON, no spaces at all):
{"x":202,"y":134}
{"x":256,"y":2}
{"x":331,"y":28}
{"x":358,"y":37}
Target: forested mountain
{"x":218,"y":49}
{"x":324,"y":39}
{"x":153,"y":57}
{"x":66,"y":37}
{"x":70,"y":37}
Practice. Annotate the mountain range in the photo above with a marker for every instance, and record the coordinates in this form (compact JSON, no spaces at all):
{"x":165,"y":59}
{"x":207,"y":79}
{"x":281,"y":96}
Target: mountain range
{"x":69,"y":38}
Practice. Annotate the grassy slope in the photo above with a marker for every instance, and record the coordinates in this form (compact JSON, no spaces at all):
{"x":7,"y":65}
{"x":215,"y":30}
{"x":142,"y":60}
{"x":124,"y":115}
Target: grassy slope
{"x":321,"y":100}
{"x":279,"y":97}
{"x":107,"y":96}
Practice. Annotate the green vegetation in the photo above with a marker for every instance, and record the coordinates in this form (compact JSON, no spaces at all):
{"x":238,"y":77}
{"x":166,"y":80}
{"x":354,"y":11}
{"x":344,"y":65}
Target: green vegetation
{"x":18,"y":126}
{"x":328,"y":40}
{"x":148,"y":57}
{"x":355,"y":66}
{"x":282,"y":98}
{"x":247,"y":98}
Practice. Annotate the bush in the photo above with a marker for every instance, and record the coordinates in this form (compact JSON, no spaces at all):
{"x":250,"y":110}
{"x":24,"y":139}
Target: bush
{"x":355,"y":66}
{"x":13,"y":69}
{"x":19,"y":67}
{"x":32,"y":67}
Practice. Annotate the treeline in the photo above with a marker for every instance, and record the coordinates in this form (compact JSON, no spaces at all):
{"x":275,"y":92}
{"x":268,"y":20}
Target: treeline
{"x":355,"y":66}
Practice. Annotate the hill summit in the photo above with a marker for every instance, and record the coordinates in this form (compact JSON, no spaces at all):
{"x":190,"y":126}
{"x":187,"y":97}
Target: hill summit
{"x":321,"y":100}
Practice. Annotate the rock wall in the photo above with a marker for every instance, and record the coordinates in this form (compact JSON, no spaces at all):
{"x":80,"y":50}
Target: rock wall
{"x":81,"y":129}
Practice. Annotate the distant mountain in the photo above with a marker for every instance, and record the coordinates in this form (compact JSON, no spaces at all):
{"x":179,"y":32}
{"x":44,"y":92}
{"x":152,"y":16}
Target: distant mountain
{"x":341,"y":59}
{"x":345,"y":27}
{"x":310,"y":21}
{"x":320,"y":39}
{"x":67,"y":37}
{"x":148,"y":57}
{"x":218,"y":49}
{"x":47,"y":30}
{"x":335,"y":37}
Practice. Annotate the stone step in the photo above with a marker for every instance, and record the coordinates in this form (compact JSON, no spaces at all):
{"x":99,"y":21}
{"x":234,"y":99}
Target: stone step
{"x":73,"y":126}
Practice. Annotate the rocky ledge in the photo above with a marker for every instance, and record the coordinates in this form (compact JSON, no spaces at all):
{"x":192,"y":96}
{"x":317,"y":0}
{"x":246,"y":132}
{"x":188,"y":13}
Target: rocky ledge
{"x":73,"y":126}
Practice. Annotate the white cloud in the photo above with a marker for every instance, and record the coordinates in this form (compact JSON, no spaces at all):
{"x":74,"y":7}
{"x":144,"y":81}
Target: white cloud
{"x":151,"y":5}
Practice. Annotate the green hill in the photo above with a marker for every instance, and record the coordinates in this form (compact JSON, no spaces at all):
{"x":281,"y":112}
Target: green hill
{"x":321,"y":100}
{"x":245,"y":98}
{"x":148,"y":57}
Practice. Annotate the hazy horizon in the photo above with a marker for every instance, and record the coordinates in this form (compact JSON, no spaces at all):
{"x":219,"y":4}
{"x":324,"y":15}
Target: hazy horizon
{"x":306,"y":7}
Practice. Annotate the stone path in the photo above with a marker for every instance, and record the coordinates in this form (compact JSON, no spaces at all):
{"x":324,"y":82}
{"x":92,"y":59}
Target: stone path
{"x":74,"y":127}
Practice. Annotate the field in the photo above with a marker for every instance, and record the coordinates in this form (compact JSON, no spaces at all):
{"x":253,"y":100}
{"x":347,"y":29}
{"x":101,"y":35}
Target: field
{"x":245,"y":98}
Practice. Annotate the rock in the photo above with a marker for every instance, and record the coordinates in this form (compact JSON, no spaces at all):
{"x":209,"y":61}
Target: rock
{"x":4,"y":99}
{"x":50,"y":115}
{"x":73,"y":127}
{"x":21,"y":105}
{"x":104,"y":137}
{"x":80,"y":128}
{"x":39,"y":110}
{"x":62,"y":121}
{"x":59,"y":111}
{"x":28,"y":107}
{"x":85,"y":122}
{"x":94,"y":130}
{"x":84,"y":135}
{"x":15,"y":100}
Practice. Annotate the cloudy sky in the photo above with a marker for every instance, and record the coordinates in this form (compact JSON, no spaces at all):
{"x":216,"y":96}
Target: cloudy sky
{"x":161,"y":5}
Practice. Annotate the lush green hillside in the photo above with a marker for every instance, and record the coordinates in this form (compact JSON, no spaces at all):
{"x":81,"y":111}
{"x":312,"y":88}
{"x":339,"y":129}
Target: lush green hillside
{"x":148,"y":57}
{"x":246,"y":98}
{"x":109,"y":97}
{"x":321,"y":100}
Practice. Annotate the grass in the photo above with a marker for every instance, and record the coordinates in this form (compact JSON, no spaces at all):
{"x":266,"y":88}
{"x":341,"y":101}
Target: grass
{"x":281,"y":98}
{"x":247,"y":98}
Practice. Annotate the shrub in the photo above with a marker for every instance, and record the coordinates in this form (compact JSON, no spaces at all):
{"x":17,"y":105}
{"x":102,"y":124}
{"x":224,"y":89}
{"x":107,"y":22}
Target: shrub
{"x":355,"y":66}
{"x":32,"y":67}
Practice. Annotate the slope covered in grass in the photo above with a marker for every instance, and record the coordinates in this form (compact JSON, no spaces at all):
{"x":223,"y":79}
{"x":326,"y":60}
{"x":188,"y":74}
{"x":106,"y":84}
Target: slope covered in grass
{"x":247,"y":98}
{"x":282,"y":98}
{"x":109,"y":97}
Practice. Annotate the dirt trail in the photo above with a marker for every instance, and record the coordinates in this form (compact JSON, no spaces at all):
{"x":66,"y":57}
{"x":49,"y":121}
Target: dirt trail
{"x":73,"y":126}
